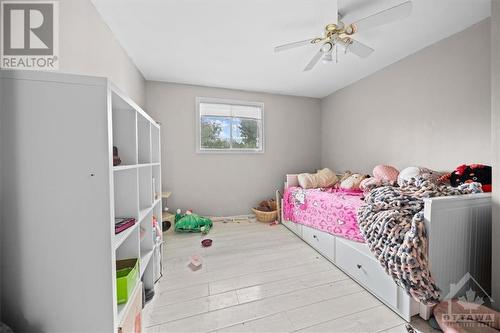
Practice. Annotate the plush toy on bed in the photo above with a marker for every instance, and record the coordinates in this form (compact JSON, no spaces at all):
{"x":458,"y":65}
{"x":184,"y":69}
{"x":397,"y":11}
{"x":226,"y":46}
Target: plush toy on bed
{"x":323,"y":178}
{"x":407,"y":174}
{"x":344,"y":176}
{"x":382,"y":175}
{"x":474,"y":173}
{"x":353,"y":182}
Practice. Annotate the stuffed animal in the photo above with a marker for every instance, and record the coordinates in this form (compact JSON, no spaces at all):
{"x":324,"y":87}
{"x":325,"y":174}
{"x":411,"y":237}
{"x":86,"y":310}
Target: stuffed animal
{"x":191,"y":222}
{"x":323,"y":178}
{"x":410,"y":173}
{"x":353,"y":182}
{"x":341,"y":177}
{"x":344,"y":176}
{"x":382,"y":175}
{"x":465,"y":174}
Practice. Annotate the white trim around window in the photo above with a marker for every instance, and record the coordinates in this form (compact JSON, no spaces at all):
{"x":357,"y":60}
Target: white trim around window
{"x":255,"y":112}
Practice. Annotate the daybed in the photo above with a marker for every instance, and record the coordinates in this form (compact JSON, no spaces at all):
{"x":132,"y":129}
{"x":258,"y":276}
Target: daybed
{"x":459,"y":237}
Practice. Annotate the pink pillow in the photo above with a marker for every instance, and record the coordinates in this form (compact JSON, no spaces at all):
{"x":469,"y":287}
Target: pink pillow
{"x":386,"y":173}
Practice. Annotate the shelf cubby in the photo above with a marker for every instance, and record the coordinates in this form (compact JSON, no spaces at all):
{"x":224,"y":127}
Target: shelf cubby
{"x":126,"y":194}
{"x":145,"y":188}
{"x":148,"y":273}
{"x":129,"y":247}
{"x":122,"y":236}
{"x":155,"y":144}
{"x":156,"y":181}
{"x":147,"y":226}
{"x":143,"y":140}
{"x":124,"y":130}
{"x":157,"y":212}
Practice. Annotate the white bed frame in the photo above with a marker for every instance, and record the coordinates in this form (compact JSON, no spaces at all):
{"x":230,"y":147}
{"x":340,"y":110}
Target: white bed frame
{"x":459,"y":235}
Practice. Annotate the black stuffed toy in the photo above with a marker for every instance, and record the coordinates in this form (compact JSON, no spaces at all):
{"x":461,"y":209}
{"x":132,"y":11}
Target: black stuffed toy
{"x":472,"y":173}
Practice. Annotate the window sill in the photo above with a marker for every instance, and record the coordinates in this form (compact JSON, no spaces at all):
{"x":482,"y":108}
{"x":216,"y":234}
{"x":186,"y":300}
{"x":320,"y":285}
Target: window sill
{"x":228,"y":152}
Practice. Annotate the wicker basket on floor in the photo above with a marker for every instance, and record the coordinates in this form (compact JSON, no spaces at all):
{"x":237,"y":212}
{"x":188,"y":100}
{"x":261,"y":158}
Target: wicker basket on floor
{"x":265,"y":216}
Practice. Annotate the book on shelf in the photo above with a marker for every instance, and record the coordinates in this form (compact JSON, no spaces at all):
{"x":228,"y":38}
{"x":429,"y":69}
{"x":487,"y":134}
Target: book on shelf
{"x":123,"y":223}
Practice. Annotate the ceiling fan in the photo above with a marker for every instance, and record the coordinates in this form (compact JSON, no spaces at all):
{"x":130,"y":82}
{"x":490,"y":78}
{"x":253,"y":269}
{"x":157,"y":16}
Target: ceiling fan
{"x":341,"y":34}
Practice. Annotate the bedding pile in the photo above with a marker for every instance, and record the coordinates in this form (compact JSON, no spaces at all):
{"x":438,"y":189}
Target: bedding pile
{"x":392,"y":223}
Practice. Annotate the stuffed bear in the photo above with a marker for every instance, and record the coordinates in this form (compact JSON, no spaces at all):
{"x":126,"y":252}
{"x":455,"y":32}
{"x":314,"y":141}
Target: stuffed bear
{"x":465,"y":174}
{"x":353,"y":182}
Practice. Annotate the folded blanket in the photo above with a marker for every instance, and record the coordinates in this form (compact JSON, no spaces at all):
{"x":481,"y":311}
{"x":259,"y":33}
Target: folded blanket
{"x":392,"y":223}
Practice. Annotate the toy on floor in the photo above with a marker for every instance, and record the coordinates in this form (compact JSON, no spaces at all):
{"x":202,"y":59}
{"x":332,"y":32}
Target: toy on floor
{"x":206,"y":242}
{"x":195,"y":262}
{"x":474,"y":173}
{"x":191,"y":222}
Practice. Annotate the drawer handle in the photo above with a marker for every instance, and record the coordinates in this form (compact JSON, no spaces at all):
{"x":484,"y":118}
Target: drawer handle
{"x":359,"y":266}
{"x":314,"y":236}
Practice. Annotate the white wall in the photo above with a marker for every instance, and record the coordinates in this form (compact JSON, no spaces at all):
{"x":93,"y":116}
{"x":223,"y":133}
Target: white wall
{"x":432,"y":108}
{"x":88,"y":47}
{"x":230,"y":184}
{"x":495,"y":123}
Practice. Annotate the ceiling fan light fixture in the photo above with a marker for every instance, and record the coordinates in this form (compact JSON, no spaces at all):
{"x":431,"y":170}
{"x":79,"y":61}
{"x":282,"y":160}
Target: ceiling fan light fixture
{"x":351,"y":29}
{"x":327,"y":47}
{"x":338,"y":34}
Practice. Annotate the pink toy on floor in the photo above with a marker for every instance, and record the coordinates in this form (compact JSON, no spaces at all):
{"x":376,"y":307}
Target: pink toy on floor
{"x":195,"y":262}
{"x":463,"y":317}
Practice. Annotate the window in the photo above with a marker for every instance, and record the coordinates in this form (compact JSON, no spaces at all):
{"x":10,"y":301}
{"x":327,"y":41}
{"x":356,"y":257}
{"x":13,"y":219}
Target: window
{"x":229,"y":126}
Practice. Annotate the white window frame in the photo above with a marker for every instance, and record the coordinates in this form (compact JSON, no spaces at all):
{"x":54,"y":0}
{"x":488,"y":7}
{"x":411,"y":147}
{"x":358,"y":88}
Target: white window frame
{"x":201,"y":150}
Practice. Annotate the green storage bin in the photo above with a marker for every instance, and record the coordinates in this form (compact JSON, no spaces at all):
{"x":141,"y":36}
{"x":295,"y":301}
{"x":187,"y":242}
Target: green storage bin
{"x":127,"y":275}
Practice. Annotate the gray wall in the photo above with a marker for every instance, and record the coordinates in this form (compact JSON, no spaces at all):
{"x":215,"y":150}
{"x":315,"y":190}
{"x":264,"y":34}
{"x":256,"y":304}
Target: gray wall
{"x":432,"y":108}
{"x":495,"y":123}
{"x":230,"y":184}
{"x":87,"y":46}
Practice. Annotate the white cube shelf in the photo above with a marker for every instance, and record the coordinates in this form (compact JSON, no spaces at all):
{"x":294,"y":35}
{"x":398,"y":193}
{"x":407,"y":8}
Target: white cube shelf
{"x":61,"y":131}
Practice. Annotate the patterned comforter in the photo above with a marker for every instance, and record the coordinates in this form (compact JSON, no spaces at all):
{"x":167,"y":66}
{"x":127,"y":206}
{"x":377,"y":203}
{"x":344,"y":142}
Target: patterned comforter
{"x":330,"y":210}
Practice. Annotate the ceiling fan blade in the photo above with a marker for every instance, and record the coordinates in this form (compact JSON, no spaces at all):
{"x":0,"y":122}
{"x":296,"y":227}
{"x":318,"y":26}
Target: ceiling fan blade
{"x":386,"y":16}
{"x":296,"y":44}
{"x":314,"y":60}
{"x":358,"y":48}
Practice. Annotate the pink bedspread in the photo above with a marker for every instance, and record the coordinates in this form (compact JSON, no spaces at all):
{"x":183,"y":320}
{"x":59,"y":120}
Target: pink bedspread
{"x":329,"y":210}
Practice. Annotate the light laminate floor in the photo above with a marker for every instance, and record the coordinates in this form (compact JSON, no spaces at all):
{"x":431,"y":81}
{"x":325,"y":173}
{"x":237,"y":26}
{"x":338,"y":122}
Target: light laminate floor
{"x":259,"y":278}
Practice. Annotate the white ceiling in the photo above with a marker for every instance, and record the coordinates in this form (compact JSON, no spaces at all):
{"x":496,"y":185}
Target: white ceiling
{"x":229,"y":43}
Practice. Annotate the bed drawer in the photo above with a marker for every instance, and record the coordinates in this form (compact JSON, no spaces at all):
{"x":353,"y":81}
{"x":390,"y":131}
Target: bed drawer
{"x":364,"y":268}
{"x":294,"y":227}
{"x":321,"y":241}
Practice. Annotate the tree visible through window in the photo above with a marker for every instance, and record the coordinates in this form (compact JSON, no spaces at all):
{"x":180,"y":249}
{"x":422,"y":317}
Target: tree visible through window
{"x":229,"y":126}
